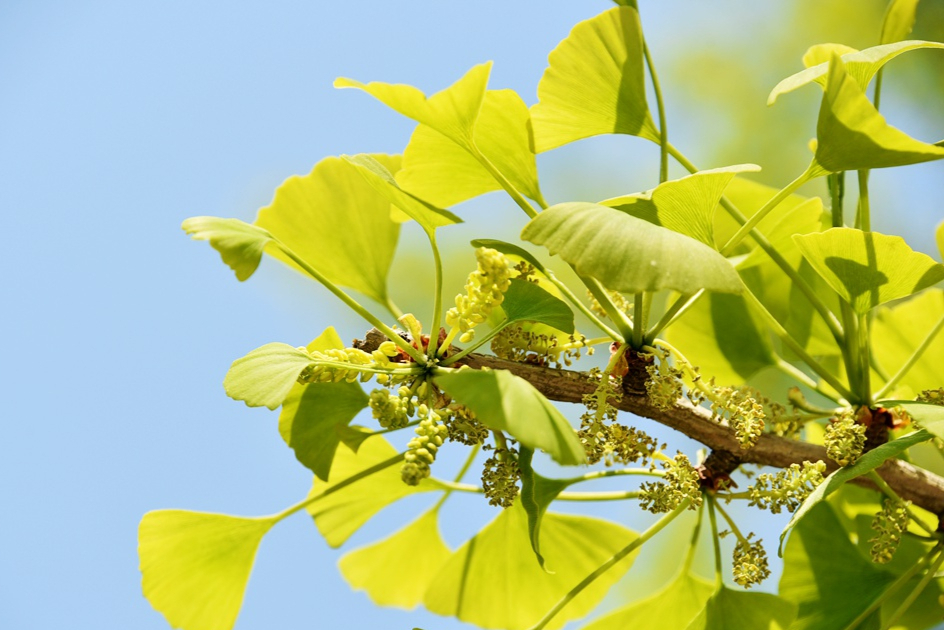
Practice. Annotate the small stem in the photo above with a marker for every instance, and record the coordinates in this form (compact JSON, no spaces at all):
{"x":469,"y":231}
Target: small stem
{"x":719,"y":575}
{"x":602,"y":474}
{"x":693,"y":545}
{"x":791,"y":370}
{"x":660,"y":107}
{"x":836,"y":182}
{"x":598,"y":496}
{"x":913,"y":595}
{"x":459,"y":476}
{"x":639,"y":319}
{"x":681,"y":304}
{"x":731,"y":524}
{"x":863,"y":220}
{"x":865,"y":375}
{"x":889,"y":492}
{"x":619,"y":317}
{"x":597,"y":341}
{"x":603,"y":568}
{"x":437,"y":298}
{"x":565,"y":290}
{"x":393,"y":308}
{"x":914,"y":358}
{"x":478,"y":344}
{"x":748,"y":227}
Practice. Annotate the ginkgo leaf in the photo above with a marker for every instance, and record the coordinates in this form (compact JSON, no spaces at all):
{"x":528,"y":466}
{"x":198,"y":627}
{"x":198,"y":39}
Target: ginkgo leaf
{"x":443,"y":173}
{"x":729,"y":609}
{"x":803,"y":219}
{"x":527,"y":302}
{"x":427,"y":215}
{"x":340,"y":514}
{"x":685,"y":205}
{"x":505,"y":402}
{"x":860,"y":64}
{"x":195,"y":565}
{"x":852,"y":135}
{"x":337,"y":223}
{"x":629,"y":254}
{"x":899,"y":20}
{"x":315,"y":415}
{"x":896,"y":333}
{"x":868,"y":268}
{"x":397,"y":570}
{"x":939,"y":237}
{"x":264,"y":377}
{"x":537,"y":494}
{"x":452,"y":111}
{"x":493,"y":581}
{"x":675,"y":606}
{"x":594,"y":83}
{"x":240,"y":245}
{"x":928,"y":416}
{"x":750,"y":196}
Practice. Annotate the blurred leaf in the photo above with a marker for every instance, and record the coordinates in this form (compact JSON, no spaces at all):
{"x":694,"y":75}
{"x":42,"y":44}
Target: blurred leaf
{"x":527,"y":302}
{"x":334,"y":221}
{"x":264,"y":377}
{"x":898,"y":330}
{"x":939,"y":237}
{"x":452,"y":111}
{"x":685,"y":205}
{"x":749,"y":197}
{"x":852,"y":135}
{"x":443,"y":173}
{"x":860,"y":64}
{"x":803,"y":219}
{"x":729,"y":609}
{"x":867,"y":463}
{"x":675,"y":606}
{"x":493,"y":581}
{"x":196,"y":565}
{"x":868,"y":268}
{"x":428,"y":216}
{"x":594,"y":83}
{"x":342,"y":513}
{"x":649,"y":257}
{"x":899,"y":20}
{"x":505,"y":402}
{"x":397,"y":570}
{"x":929,"y":416}
{"x":537,"y":493}
{"x":826,"y":577}
{"x":240,"y":245}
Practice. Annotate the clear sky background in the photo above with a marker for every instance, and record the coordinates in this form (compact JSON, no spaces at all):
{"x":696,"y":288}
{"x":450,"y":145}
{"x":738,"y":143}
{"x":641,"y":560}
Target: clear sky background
{"x":119,"y":119}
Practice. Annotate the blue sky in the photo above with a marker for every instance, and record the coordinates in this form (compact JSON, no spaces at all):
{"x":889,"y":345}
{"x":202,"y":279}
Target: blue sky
{"x":117,"y":121}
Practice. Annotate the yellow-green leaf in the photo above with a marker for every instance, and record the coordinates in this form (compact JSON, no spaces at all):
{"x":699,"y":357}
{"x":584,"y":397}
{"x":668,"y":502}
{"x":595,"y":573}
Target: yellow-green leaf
{"x":594,"y":83}
{"x":868,"y":268}
{"x":899,"y":20}
{"x":527,"y":302}
{"x":397,"y":570}
{"x":939,"y":236}
{"x":240,"y":245}
{"x":443,"y":173}
{"x":749,"y":197}
{"x":629,"y":254}
{"x":803,"y":219}
{"x":493,"y":580}
{"x":685,"y":205}
{"x":675,"y":606}
{"x":822,"y":53}
{"x":337,"y":223}
{"x":340,"y":514}
{"x":852,"y":135}
{"x":195,"y":565}
{"x":730,"y":609}
{"x":897,"y":331}
{"x":264,"y":377}
{"x":537,"y":493}
{"x":452,"y":111}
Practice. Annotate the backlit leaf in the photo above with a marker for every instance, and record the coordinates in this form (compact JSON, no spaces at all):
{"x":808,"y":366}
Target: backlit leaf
{"x":240,"y":245}
{"x":505,"y":402}
{"x":527,"y":302}
{"x":195,"y":565}
{"x":264,"y":377}
{"x":804,"y":219}
{"x":334,"y":221}
{"x":899,"y":20}
{"x":685,"y":205}
{"x":897,"y":331}
{"x":629,"y":254}
{"x":493,"y":581}
{"x":730,"y":609}
{"x":397,"y":570}
{"x":537,"y":493}
{"x":443,"y":173}
{"x":594,"y":83}
{"x":939,"y":237}
{"x":928,"y":416}
{"x":452,"y":111}
{"x":852,"y":135}
{"x":675,"y":606}
{"x":868,"y":268}
{"x":748,"y":197}
{"x":822,"y":53}
{"x":340,"y":514}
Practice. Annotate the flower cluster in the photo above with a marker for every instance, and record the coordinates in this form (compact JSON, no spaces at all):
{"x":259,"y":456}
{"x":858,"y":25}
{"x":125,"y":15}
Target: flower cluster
{"x":844,"y":438}
{"x":889,"y":525}
{"x":602,"y":437}
{"x":787,"y":488}
{"x":618,"y":300}
{"x":430,"y":435}
{"x":485,"y":289}
{"x":681,"y":482}
{"x":392,"y":411}
{"x":462,"y":425}
{"x":500,"y":476}
{"x":750,"y":562}
{"x":346,"y":365}
{"x":519,"y":343}
{"x":933,"y":396}
{"x":742,"y":411}
{"x":664,"y":385}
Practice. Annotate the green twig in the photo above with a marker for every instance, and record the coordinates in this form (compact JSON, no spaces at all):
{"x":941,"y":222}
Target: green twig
{"x":693,"y":545}
{"x":774,"y":201}
{"x":678,"y":308}
{"x":660,"y":107}
{"x":459,"y":476}
{"x":719,"y":575}
{"x":437,"y":298}
{"x":915,"y":593}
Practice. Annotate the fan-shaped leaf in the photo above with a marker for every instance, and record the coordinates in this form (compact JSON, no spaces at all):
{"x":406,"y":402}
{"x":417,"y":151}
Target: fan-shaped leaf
{"x":939,"y":236}
{"x":685,"y":205}
{"x":804,"y":219}
{"x":527,"y":302}
{"x":860,"y":64}
{"x":749,"y":197}
{"x":493,"y":581}
{"x":452,"y":111}
{"x":397,"y":570}
{"x":537,"y":494}
{"x":868,"y":268}
{"x":505,"y":402}
{"x":852,"y":135}
{"x":897,"y":331}
{"x":340,"y":514}
{"x":264,"y":377}
{"x":675,"y":606}
{"x":899,"y":20}
{"x":629,"y":254}
{"x":594,"y":83}
{"x":443,"y":173}
{"x":240,"y":245}
{"x":337,"y":223}
{"x":195,"y":565}
{"x":729,"y":609}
